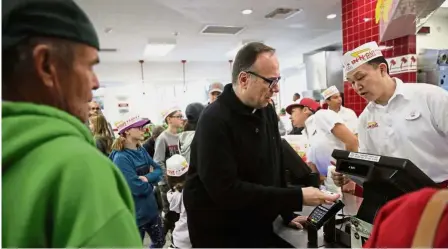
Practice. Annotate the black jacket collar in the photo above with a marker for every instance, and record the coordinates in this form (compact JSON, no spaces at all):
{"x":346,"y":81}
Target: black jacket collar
{"x":229,"y":98}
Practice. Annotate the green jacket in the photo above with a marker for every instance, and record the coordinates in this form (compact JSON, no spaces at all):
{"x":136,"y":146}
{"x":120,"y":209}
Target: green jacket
{"x":58,"y":189}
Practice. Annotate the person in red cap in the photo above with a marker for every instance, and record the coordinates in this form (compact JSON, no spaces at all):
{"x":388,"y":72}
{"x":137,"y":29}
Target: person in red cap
{"x":418,"y":219}
{"x":325,"y":130}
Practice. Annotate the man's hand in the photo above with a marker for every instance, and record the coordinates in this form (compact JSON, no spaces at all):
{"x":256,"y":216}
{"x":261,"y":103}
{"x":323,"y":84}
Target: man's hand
{"x":143,"y":178}
{"x":298,"y":222}
{"x":314,"y":197}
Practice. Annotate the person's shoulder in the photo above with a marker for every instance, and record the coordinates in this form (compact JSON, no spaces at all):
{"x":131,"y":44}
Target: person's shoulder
{"x":215,"y":112}
{"x":325,"y":114}
{"x":419,"y":90}
{"x":348,"y":110}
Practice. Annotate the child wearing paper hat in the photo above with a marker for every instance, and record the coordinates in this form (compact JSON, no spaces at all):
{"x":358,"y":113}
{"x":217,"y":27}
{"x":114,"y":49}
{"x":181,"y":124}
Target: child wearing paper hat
{"x":141,"y":173}
{"x":167,"y":145}
{"x":176,"y":169}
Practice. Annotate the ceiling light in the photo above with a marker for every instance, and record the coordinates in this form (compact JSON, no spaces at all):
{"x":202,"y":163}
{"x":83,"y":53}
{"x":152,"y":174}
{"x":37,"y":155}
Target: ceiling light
{"x":246,"y":12}
{"x":159,"y":48}
{"x":331,"y":16}
{"x":444,"y":4}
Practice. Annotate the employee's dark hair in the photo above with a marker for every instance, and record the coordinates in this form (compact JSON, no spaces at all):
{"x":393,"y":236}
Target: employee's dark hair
{"x":246,"y":57}
{"x":377,"y":61}
{"x":297,"y":95}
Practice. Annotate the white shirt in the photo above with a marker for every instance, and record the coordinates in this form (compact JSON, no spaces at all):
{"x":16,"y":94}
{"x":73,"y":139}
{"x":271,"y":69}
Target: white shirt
{"x":181,"y":237}
{"x":323,"y":142}
{"x":413,"y":125}
{"x":350,"y":119}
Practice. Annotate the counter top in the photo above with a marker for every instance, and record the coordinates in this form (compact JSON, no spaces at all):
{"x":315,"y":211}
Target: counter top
{"x":299,"y":238}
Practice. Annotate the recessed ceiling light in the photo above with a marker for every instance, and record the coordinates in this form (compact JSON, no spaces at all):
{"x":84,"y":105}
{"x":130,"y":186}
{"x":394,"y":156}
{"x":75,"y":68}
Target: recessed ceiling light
{"x":247,"y":12}
{"x":159,"y":48}
{"x":331,"y":16}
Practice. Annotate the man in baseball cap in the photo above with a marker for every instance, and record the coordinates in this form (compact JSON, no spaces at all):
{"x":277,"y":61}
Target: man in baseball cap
{"x":214,"y":91}
{"x":61,"y":192}
{"x":325,"y":130}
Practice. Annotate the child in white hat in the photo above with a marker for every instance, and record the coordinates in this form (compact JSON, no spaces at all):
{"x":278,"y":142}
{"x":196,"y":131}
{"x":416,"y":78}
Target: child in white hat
{"x":176,"y":169}
{"x":167,"y":145}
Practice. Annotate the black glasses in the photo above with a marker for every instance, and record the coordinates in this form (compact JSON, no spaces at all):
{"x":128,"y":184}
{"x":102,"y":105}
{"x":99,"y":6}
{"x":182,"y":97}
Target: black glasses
{"x":271,"y":81}
{"x":177,"y":116}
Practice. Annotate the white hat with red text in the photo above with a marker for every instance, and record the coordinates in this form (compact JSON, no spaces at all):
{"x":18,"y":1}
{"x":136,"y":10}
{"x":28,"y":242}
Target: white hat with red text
{"x":132,"y":121}
{"x":360,"y":55}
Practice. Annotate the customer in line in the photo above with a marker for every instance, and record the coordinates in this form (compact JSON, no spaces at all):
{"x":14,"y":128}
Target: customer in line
{"x":167,"y":145}
{"x":57,"y":190}
{"x":235,"y":186}
{"x":101,"y":134}
{"x":142,"y":174}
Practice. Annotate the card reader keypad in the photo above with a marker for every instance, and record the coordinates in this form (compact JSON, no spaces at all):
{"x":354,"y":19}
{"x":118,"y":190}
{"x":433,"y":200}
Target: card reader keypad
{"x":318,"y":214}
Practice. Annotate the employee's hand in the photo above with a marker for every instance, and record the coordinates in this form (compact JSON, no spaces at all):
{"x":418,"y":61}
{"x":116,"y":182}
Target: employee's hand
{"x":298,"y":222}
{"x":144,"y":179}
{"x":349,"y":188}
{"x":339,"y":179}
{"x":314,"y":197}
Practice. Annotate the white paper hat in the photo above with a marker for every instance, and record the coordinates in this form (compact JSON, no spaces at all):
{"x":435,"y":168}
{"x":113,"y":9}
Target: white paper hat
{"x":131,"y":121}
{"x":176,"y":165}
{"x":332,"y":90}
{"x":360,"y":55}
{"x":170,"y":110}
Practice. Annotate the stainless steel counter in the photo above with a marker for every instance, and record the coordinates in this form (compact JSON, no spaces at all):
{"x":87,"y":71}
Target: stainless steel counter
{"x":299,"y":238}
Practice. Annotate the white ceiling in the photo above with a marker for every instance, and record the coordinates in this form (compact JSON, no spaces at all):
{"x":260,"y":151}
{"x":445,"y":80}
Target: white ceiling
{"x":134,"y":22}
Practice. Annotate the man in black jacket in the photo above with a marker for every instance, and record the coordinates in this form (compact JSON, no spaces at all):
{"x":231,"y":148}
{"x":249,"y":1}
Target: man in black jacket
{"x":235,"y":186}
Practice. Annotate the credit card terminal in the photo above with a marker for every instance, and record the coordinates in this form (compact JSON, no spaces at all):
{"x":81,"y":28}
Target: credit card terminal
{"x":322,"y":213}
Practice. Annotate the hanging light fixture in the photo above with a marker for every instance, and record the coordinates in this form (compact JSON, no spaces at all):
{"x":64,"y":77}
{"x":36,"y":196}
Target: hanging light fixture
{"x":183,"y":73}
{"x":142,"y":75}
{"x":230,"y":66}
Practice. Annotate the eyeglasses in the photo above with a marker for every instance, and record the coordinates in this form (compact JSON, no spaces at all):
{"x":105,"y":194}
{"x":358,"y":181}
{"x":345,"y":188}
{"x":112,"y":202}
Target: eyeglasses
{"x":271,"y":81}
{"x":95,"y":108}
{"x":177,"y":116}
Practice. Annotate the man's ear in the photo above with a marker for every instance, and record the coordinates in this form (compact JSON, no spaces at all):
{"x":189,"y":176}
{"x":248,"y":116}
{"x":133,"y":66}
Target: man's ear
{"x":43,"y":64}
{"x":243,"y":79}
{"x":383,"y":69}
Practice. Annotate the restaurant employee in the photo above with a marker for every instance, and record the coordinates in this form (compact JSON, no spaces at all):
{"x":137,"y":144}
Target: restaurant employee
{"x":401,"y":120}
{"x":333,"y":98}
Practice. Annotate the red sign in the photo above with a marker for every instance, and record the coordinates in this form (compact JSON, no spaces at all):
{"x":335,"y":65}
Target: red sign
{"x":123,"y":105}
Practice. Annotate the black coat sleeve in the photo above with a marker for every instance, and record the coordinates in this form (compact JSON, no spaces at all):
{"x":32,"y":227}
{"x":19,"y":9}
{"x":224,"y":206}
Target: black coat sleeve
{"x":218,"y":171}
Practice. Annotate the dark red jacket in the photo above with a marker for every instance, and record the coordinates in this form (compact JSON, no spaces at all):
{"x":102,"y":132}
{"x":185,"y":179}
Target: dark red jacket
{"x":396,"y":223}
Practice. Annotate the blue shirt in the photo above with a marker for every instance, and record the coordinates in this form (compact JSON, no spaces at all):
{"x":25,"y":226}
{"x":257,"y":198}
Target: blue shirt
{"x":135,"y":163}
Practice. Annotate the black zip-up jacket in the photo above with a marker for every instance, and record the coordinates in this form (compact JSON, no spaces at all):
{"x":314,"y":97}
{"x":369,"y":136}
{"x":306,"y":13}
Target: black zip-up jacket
{"x":235,"y":186}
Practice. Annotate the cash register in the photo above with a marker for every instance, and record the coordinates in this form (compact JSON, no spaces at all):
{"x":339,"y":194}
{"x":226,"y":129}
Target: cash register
{"x":383,"y":179}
